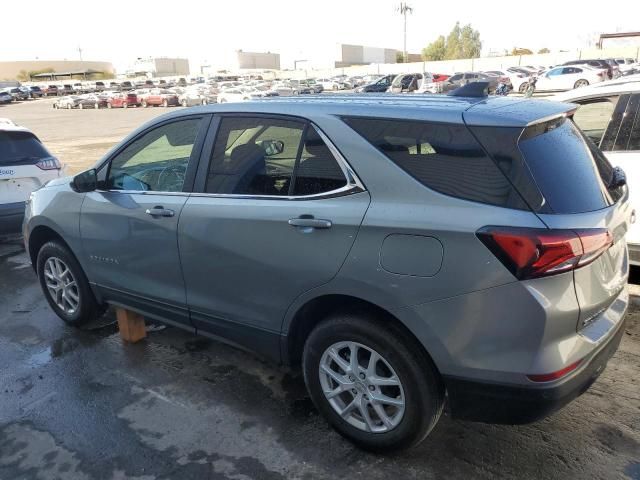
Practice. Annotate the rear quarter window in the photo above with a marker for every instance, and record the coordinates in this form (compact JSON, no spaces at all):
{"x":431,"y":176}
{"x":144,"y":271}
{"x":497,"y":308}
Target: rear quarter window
{"x":443,"y":157}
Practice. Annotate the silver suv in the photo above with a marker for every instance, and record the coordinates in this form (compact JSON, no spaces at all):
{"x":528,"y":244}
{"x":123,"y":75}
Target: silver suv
{"x":402,"y":250}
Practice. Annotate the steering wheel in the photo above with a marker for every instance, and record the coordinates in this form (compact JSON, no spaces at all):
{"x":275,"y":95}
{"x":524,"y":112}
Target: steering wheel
{"x":178,"y":172}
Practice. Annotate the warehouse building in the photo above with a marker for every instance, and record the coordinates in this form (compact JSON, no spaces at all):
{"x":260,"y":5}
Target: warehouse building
{"x":159,"y":67}
{"x":257,"y":60}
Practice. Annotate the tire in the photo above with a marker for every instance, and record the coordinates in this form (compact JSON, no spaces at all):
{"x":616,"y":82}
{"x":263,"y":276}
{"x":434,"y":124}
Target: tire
{"x":581,"y":83}
{"x":68,"y":106}
{"x":204,"y":101}
{"x":523,"y":87}
{"x":96,"y":105}
{"x":165,"y":104}
{"x":184,"y":103}
{"x":144,"y":104}
{"x":87,"y":308}
{"x":80,"y":106}
{"x":419,"y":386}
{"x":125,"y":105}
{"x":109,"y":106}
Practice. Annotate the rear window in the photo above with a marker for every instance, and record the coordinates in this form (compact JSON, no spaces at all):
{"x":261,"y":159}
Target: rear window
{"x":443,"y":157}
{"x":567,"y":167}
{"x":20,"y":148}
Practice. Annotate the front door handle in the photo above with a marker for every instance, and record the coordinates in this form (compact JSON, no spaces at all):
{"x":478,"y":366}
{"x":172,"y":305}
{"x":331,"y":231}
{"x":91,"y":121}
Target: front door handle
{"x":309,"y":222}
{"x":159,"y":211}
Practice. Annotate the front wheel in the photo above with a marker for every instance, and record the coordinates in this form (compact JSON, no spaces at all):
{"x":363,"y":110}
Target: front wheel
{"x":581,"y":83}
{"x":144,"y":104}
{"x":65,"y":285}
{"x":372,"y":382}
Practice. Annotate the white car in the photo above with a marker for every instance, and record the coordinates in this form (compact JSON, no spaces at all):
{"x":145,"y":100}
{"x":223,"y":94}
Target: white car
{"x":25,"y":165}
{"x":330,"y":84}
{"x":519,"y":80}
{"x":566,"y":77}
{"x":609,"y":114}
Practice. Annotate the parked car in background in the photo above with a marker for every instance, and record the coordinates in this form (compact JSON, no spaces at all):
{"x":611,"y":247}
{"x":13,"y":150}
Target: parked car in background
{"x":380,"y":84}
{"x":158,"y":97}
{"x":568,"y":77}
{"x":362,"y":214}
{"x":50,"y":90}
{"x":188,"y":97}
{"x":330,"y":84}
{"x":517,"y":81}
{"x":25,"y":165}
{"x":126,"y":85}
{"x":123,"y":100}
{"x":410,"y":82}
{"x":460,"y":79}
{"x":596,"y":64}
{"x":609,"y":115}
{"x":93,"y":100}
{"x":5,"y":97}
{"x":18,"y":94}
{"x":68,"y":102}
{"x":36,"y":92}
{"x":627,"y":65}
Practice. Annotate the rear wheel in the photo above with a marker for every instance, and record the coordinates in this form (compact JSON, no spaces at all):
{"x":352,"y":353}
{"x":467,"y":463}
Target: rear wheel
{"x":125,"y":105}
{"x":109,"y":105}
{"x":184,"y":103}
{"x":581,"y":83}
{"x":144,"y":104}
{"x":65,"y":285}
{"x":372,"y":382}
{"x":523,"y":87}
{"x":68,"y":106}
{"x":165,"y":104}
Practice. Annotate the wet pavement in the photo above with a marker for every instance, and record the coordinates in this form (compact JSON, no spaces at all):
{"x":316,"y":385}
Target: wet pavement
{"x":80,"y":404}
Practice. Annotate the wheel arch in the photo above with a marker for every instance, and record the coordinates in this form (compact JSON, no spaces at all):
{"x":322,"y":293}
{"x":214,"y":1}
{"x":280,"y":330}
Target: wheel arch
{"x":41,"y":235}
{"x":315,"y":310}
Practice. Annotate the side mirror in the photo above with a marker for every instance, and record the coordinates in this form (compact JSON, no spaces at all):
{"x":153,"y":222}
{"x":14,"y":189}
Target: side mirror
{"x":85,"y":181}
{"x":272,"y":147}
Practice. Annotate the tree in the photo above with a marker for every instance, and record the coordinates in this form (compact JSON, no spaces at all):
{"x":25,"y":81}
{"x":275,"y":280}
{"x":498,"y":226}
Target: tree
{"x":435,"y":50}
{"x":462,"y":42}
{"x":521,"y":51}
{"x":544,"y":50}
{"x":399,"y":57}
{"x":25,"y":76}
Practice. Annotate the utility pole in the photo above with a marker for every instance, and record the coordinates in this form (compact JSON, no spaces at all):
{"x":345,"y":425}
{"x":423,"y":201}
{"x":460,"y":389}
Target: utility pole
{"x":80,"y":52}
{"x":404,"y":9}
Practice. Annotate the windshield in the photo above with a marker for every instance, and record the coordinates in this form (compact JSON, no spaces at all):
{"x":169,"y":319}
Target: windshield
{"x":20,"y":147}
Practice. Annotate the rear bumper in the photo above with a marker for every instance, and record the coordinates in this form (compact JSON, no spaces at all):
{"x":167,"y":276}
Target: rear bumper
{"x":11,"y":216}
{"x":509,"y":404}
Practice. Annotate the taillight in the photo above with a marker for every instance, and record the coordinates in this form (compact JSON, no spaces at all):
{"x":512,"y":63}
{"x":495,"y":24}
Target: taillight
{"x":48,"y":164}
{"x":531,"y":253}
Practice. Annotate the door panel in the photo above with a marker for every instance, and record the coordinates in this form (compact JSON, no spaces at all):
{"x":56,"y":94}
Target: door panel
{"x":131,"y":251}
{"x":243,"y":262}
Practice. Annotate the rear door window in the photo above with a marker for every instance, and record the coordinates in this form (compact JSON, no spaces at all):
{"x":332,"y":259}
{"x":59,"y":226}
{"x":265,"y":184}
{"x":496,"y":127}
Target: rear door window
{"x":444,"y":157}
{"x":628,"y":137}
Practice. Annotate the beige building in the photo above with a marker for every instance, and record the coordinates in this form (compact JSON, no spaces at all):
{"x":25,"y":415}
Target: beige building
{"x":258,"y":60}
{"x":11,"y":70}
{"x":159,"y":67}
{"x":347,"y":55}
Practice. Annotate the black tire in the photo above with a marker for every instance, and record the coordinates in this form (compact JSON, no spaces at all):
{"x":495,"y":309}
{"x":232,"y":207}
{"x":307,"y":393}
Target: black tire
{"x":581,"y":83}
{"x":422,"y":385}
{"x":165,"y":104}
{"x":88,"y":308}
{"x":523,"y":87}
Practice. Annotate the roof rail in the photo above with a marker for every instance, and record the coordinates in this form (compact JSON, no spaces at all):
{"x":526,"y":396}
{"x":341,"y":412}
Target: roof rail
{"x":472,"y":89}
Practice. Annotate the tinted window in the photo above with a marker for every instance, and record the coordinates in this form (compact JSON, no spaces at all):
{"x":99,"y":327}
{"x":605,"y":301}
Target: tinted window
{"x":564,"y":167}
{"x":629,"y":134}
{"x":594,"y":116}
{"x":443,"y":157}
{"x":20,"y":148}
{"x":456,"y":77}
{"x":258,"y":156}
{"x":318,"y":170}
{"x":156,"y":161}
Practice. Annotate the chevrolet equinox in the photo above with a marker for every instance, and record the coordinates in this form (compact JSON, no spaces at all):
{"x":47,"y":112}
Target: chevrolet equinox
{"x":402,"y":250}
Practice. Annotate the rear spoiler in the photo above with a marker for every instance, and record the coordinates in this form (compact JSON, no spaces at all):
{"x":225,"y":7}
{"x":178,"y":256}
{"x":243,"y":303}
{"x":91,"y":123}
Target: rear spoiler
{"x":515,"y":112}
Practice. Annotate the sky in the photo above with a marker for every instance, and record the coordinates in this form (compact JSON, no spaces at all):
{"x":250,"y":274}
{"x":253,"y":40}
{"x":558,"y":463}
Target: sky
{"x":203,"y":31}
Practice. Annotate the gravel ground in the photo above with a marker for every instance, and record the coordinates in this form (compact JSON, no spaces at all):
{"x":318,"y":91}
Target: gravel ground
{"x":80,"y":404}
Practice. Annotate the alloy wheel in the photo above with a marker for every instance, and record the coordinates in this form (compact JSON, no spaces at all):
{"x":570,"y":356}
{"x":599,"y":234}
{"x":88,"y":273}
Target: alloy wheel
{"x":61,"y":285}
{"x":362,"y":387}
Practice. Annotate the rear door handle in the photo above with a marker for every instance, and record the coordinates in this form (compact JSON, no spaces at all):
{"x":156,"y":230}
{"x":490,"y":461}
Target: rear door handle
{"x":310,"y":222}
{"x":159,"y":211}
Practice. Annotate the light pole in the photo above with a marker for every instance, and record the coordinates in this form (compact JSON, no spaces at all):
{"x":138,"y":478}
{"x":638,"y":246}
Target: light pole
{"x":404,"y":9}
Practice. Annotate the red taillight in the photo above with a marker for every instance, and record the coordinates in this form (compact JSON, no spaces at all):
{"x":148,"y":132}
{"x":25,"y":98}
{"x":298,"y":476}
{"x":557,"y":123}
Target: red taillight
{"x":549,"y":377}
{"x":531,"y":253}
{"x":48,"y":164}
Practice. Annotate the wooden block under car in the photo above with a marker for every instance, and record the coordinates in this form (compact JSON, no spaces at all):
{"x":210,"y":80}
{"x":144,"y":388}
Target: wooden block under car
{"x":131,"y":325}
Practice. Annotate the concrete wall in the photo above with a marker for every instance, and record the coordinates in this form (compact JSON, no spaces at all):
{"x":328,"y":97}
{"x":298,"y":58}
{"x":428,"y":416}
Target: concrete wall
{"x":362,"y":55}
{"x":254,"y":60}
{"x":10,"y":70}
{"x":452,"y":66}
